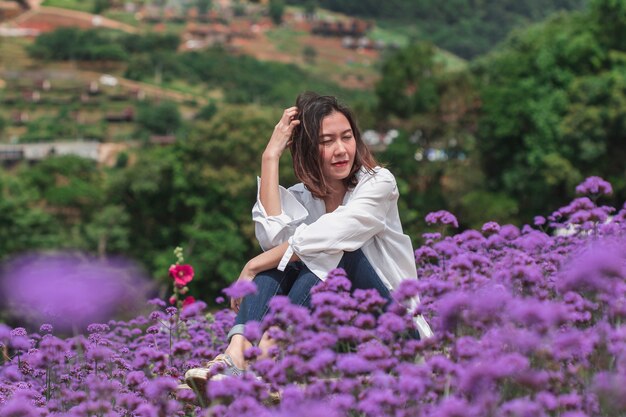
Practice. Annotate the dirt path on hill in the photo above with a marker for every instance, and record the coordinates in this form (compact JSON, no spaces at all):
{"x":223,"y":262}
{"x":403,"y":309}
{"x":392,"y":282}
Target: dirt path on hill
{"x":41,"y":13}
{"x":150,"y":90}
{"x":87,"y":76}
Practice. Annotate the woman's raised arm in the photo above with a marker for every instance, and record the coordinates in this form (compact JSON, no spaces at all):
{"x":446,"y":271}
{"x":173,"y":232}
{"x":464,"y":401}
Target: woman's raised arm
{"x":269,"y":193}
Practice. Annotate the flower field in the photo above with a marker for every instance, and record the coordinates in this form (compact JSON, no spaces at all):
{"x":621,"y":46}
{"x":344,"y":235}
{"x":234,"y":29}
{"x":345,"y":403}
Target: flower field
{"x":527,"y":322}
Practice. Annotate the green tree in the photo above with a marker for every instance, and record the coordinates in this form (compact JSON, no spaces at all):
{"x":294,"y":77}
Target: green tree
{"x":610,"y":16}
{"x":437,"y":112}
{"x":152,"y":192}
{"x":239,"y":9}
{"x":161,"y":118}
{"x":310,"y":54}
{"x":408,"y":83}
{"x":198,"y":194}
{"x":553,"y":109}
{"x":76,"y":44}
{"x":3,"y":125}
{"x":310,"y":6}
{"x":203,"y":6}
{"x":223,"y":161}
{"x":214,"y":240}
{"x":151,"y":42}
{"x":25,"y":224}
{"x":66,"y":181}
{"x":100,"y":6}
{"x":242,"y":78}
{"x":276,"y":9}
{"x":466,"y":28}
{"x":592,"y":129}
{"x":108,"y":231}
{"x":207,"y":112}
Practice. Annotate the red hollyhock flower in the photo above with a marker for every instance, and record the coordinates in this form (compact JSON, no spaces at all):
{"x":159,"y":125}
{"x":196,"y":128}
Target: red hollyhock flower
{"x":181,"y":274}
{"x":188,"y":301}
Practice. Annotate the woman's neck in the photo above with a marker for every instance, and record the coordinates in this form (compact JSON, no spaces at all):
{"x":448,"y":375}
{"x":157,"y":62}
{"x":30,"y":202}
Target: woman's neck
{"x":335,"y":198}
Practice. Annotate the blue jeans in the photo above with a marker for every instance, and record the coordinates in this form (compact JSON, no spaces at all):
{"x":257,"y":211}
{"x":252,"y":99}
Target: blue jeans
{"x":296,"y":283}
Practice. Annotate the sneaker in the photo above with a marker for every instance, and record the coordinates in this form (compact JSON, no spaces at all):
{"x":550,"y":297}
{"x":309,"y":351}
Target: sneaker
{"x":220,"y":367}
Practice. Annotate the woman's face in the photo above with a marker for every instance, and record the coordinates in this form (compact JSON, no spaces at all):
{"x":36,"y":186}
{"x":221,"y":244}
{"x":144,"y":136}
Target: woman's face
{"x":337,"y":147}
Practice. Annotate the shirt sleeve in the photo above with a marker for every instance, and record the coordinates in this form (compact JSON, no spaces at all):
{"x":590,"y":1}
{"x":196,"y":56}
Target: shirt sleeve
{"x":271,"y":231}
{"x":320,"y":245}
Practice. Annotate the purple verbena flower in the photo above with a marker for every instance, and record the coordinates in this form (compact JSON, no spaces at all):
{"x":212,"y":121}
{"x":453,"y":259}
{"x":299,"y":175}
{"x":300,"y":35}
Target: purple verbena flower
{"x":240,"y":289}
{"x":594,"y":186}
{"x":490,"y":228}
{"x":442,"y":217}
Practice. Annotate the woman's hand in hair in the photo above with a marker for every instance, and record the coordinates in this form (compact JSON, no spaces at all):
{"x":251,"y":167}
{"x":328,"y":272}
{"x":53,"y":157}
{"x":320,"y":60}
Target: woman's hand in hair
{"x":282,"y":133}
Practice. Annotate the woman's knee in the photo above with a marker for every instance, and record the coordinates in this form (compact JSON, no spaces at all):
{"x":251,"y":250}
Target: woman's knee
{"x":269,"y":277}
{"x":300,"y":293}
{"x":270,"y":283}
{"x":362,"y":273}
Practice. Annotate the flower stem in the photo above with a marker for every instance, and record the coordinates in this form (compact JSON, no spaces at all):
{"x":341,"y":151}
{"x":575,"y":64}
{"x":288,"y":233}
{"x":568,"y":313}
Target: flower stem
{"x":48,"y":383}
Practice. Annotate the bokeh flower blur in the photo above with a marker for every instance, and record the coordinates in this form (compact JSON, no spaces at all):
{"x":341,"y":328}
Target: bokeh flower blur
{"x":71,"y":290}
{"x":527,"y":321}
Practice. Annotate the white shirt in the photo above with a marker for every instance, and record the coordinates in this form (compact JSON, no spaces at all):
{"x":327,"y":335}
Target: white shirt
{"x":368,"y":220}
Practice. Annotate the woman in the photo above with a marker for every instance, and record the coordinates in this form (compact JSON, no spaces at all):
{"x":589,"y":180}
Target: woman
{"x":343,"y":214}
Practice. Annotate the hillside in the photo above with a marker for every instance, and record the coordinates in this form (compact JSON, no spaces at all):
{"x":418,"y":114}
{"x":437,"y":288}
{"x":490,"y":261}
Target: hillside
{"x":465,"y":27}
{"x":259,"y":61}
{"x":245,"y":28}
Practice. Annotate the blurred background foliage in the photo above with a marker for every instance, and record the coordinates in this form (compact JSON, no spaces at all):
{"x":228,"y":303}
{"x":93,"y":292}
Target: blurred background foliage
{"x":466,"y":28}
{"x":504,"y":137}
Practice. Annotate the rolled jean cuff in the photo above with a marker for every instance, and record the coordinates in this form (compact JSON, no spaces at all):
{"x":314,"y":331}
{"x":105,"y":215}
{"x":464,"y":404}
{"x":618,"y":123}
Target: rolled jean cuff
{"x":237,"y":329}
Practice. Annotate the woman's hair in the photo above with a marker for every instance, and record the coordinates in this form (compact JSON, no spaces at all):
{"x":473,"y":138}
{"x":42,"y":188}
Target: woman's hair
{"x":305,"y":139}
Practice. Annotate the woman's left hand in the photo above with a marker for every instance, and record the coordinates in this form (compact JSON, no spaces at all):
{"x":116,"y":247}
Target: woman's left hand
{"x":281,"y":136}
{"x":247,"y":274}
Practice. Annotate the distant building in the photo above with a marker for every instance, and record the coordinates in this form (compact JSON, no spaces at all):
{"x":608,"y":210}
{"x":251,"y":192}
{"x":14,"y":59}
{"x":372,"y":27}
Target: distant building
{"x":127,"y":115}
{"x":9,"y":10}
{"x":11,"y":153}
{"x":39,"y":151}
{"x":102,"y":153}
{"x":362,"y":43}
{"x":205,"y":36}
{"x":201,"y":36}
{"x":19,"y":118}
{"x":355,"y":28}
{"x":162,"y":140}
